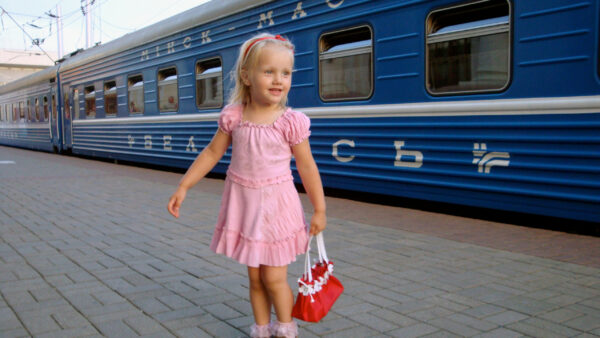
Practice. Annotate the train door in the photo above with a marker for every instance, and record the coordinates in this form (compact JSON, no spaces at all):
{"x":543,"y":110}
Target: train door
{"x":55,"y":131}
{"x":66,"y":118}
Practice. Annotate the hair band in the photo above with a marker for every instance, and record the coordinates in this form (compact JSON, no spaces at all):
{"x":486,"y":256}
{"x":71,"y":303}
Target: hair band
{"x":276,"y":37}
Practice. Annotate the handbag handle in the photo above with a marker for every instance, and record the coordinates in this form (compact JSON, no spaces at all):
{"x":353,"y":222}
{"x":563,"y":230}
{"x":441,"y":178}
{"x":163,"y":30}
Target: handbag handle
{"x":321,"y":248}
{"x":322,"y":255}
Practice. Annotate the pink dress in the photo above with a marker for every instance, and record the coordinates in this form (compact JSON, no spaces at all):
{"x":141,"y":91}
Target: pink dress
{"x":261,"y":221}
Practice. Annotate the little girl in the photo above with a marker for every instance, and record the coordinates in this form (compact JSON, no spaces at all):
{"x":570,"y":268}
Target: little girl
{"x":261,"y":222}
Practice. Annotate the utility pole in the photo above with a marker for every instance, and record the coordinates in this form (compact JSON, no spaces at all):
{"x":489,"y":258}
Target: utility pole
{"x":88,"y":24}
{"x":59,"y":30}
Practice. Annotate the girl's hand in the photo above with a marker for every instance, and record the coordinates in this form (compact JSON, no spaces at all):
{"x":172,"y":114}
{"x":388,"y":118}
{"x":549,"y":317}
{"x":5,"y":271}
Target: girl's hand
{"x":318,"y":222}
{"x":175,"y":202}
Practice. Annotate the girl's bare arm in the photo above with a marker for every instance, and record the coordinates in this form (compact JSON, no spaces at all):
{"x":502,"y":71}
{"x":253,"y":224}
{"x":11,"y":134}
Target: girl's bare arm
{"x":311,"y":180}
{"x":205,"y":161}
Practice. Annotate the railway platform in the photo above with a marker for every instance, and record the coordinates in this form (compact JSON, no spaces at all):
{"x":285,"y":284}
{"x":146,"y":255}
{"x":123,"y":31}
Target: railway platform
{"x":87,"y":249}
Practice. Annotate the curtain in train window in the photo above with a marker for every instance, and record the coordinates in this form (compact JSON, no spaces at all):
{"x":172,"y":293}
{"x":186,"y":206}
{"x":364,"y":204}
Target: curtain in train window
{"x":29,"y":111}
{"x":37,"y":109}
{"x":110,"y":98}
{"x":54,"y":109}
{"x":209,"y":87}
{"x":90,"y":101}
{"x":346,"y":64}
{"x":67,"y":107}
{"x":167,"y":90}
{"x":21,"y":111}
{"x":45,"y":108}
{"x":135,"y":89}
{"x":76,"y":104}
{"x":468,"y":48}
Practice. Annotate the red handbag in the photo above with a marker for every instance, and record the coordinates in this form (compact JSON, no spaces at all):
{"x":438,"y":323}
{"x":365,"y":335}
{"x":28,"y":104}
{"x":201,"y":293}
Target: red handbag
{"x":318,"y":288}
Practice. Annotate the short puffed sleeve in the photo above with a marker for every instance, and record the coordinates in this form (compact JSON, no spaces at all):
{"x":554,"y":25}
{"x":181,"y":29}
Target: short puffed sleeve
{"x":229,"y":118}
{"x":298,"y":127}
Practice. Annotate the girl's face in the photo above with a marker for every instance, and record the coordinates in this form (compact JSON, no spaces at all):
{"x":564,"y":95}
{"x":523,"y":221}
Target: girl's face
{"x":271,"y":78}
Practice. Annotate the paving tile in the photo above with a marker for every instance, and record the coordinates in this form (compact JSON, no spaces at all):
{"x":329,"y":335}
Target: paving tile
{"x":116,"y":328}
{"x":416,"y":330}
{"x":561,"y":315}
{"x":483,"y":310}
{"x":222,"y":329}
{"x":550,"y":326}
{"x":532,"y":330}
{"x":222,"y":311}
{"x":479,"y":324}
{"x":584,"y":323}
{"x":193,"y":332}
{"x":454,"y":327}
{"x":506,"y":317}
{"x":374,"y":322}
{"x":330,"y":326}
{"x":500,"y":333}
{"x":143,"y":324}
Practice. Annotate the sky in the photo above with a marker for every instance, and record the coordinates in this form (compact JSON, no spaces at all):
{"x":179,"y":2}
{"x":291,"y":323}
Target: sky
{"x":110,"y":20}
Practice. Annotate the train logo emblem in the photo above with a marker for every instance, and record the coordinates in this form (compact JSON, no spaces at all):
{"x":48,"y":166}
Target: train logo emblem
{"x":486,"y":160}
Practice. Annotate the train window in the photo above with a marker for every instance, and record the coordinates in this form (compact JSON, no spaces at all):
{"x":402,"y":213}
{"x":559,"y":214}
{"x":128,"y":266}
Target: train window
{"x":209,"y":84}
{"x":1,"y":113}
{"x":468,"y":48}
{"x":167,"y":90}
{"x":15,"y":112}
{"x":90,"y":101}
{"x":76,"y":104}
{"x":135,"y":89}
{"x":345,"y":64}
{"x":110,"y":97}
{"x":67,"y":107}
{"x":37,"y":109}
{"x":21,"y":110}
{"x":54,"y":109}
{"x":45,"y":108}
{"x":29,"y":111}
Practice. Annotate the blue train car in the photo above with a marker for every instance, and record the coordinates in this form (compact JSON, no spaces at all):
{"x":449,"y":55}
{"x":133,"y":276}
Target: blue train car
{"x":29,"y":112}
{"x":490,"y":103}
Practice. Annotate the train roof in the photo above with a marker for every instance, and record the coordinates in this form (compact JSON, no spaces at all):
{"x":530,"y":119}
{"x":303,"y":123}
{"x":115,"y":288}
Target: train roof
{"x":29,"y":80}
{"x":210,"y":11}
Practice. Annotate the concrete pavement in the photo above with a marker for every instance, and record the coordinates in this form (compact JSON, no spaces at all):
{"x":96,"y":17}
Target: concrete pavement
{"x":88,"y":249}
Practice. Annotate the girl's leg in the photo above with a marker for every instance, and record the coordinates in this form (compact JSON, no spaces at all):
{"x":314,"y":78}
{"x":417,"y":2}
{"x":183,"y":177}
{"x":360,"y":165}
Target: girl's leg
{"x":275,"y":280}
{"x":259,"y":298}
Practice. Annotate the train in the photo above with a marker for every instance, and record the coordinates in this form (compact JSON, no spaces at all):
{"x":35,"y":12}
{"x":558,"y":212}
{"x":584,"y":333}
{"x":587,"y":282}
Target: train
{"x":485,"y":104}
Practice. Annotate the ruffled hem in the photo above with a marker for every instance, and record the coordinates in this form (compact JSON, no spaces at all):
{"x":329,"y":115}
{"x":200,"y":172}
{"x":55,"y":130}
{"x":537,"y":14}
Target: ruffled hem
{"x":258,"y":183}
{"x":254,"y":253}
{"x":260,"y":331}
{"x":287,"y":330}
{"x":300,"y":139}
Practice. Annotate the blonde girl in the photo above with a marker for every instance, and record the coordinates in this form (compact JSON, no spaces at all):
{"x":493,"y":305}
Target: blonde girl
{"x":261,"y":222}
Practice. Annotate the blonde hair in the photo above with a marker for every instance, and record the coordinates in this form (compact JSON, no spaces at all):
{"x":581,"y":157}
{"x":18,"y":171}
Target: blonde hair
{"x":247,"y":58}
